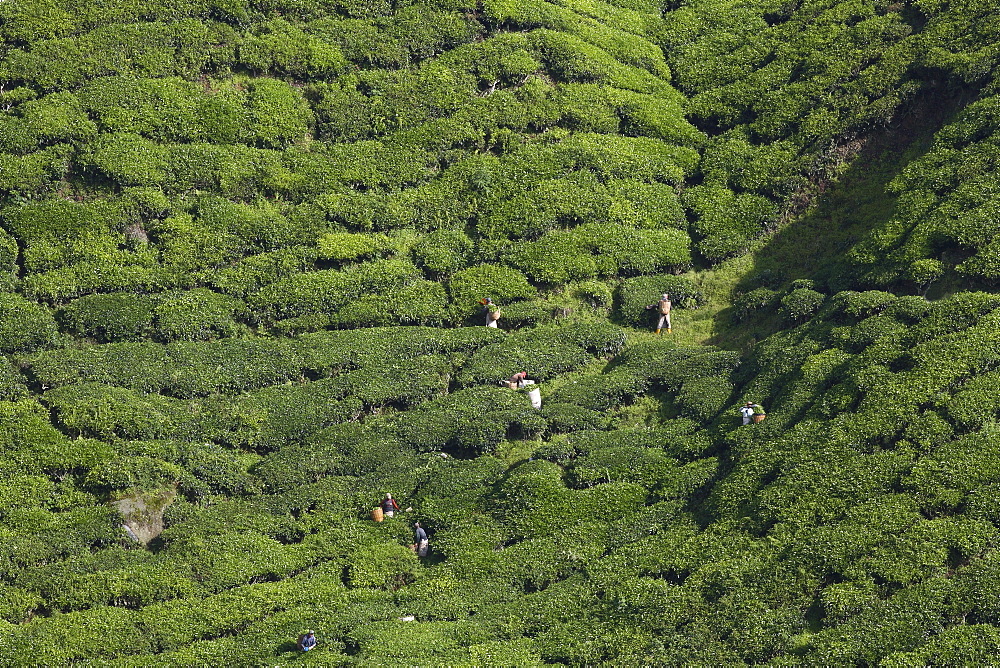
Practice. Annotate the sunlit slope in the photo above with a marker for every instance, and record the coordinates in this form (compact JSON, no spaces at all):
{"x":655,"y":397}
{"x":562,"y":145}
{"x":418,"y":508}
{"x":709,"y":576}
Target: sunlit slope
{"x":235,"y":148}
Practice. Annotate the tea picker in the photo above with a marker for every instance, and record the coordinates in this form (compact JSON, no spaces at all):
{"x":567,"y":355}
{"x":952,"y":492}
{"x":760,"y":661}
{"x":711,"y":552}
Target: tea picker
{"x":663,"y":307}
{"x":306,"y":641}
{"x":420,"y":541}
{"x":520,"y":380}
{"x":492,"y":312}
{"x":389,"y":505}
{"x":752,"y":412}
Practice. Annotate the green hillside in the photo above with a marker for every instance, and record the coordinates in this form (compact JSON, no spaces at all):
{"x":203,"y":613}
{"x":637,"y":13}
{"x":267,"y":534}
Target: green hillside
{"x":243,"y":245}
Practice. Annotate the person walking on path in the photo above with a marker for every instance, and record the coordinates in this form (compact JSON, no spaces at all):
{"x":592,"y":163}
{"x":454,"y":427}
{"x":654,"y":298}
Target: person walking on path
{"x":663,"y":307}
{"x":307,"y":641}
{"x":389,"y":505}
{"x":492,"y":312}
{"x":420,"y":540}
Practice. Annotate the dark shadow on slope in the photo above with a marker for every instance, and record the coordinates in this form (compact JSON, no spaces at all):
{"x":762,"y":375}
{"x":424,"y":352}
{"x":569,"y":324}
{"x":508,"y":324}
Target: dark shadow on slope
{"x":843,"y":210}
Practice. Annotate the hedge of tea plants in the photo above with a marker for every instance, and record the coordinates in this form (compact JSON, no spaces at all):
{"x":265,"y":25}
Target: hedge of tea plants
{"x":243,"y":245}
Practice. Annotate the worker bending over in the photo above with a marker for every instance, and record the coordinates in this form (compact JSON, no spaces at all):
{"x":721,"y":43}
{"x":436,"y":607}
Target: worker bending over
{"x":307,"y":641}
{"x":752,"y":412}
{"x":517,"y":380}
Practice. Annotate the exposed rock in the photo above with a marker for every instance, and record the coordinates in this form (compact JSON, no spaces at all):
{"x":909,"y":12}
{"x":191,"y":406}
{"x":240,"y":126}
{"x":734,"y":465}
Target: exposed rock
{"x":136,"y":232}
{"x":142,"y":512}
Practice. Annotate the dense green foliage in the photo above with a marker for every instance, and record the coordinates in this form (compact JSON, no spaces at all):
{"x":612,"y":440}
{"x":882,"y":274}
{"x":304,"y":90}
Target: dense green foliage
{"x":242,"y":248}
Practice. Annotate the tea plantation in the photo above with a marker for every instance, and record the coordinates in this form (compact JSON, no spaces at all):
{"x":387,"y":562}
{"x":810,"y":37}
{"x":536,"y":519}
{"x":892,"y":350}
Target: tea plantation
{"x":243,"y":245}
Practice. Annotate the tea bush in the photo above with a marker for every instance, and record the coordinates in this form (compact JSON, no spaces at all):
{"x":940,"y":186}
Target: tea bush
{"x":326,"y":290}
{"x":499,"y":362}
{"x":421,"y":302}
{"x":347,"y":246}
{"x":635,"y":294}
{"x":567,"y":417}
{"x":382,"y":566}
{"x":253,"y":272}
{"x":25,"y":324}
{"x":527,"y":313}
{"x":53,"y":231}
{"x":112,"y":317}
{"x":106,"y":412}
{"x":605,"y":392}
{"x":596,"y":293}
{"x":542,"y":352}
{"x":472,"y":420}
{"x":592,"y":249}
{"x":703,"y":398}
{"x":33,"y":174}
{"x":282,"y":47}
{"x":801,"y":303}
{"x":726,"y":221}
{"x":502,"y":284}
{"x":140,"y":365}
{"x":198,"y":314}
{"x":933,"y":197}
{"x":238,"y":242}
{"x":443,"y":252}
{"x":129,"y":473}
{"x":754,"y":301}
{"x":670,"y":365}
